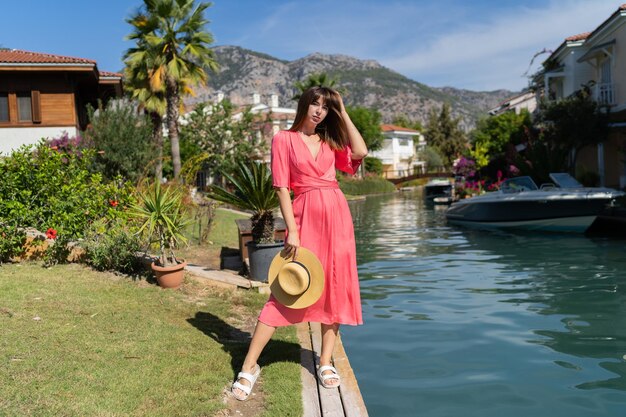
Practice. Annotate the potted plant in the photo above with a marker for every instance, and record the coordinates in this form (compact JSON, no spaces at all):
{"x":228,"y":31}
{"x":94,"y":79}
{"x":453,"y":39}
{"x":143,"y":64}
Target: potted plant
{"x":161,"y":211}
{"x":253,"y":191}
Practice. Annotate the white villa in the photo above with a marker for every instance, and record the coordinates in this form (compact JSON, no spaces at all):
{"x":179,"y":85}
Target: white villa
{"x":399,"y":153}
{"x":596,"y":59}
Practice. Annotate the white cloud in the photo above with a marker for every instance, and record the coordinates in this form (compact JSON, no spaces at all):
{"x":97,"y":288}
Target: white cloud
{"x":477,"y":45}
{"x":495,"y":54}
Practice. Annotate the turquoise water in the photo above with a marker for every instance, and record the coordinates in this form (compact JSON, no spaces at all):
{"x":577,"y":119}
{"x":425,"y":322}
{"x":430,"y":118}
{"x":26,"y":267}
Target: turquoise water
{"x":465,"y":323}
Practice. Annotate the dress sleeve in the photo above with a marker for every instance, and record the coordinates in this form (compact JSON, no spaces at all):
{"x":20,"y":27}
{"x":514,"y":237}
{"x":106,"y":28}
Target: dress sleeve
{"x":344,"y":161}
{"x":280,"y":160}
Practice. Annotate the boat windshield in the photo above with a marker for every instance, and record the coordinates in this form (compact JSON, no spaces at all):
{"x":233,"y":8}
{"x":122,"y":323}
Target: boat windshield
{"x":518,"y":184}
{"x":565,"y":180}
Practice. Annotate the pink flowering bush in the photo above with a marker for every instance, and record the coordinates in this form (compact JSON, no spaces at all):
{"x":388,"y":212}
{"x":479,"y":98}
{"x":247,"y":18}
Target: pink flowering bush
{"x":464,"y":167}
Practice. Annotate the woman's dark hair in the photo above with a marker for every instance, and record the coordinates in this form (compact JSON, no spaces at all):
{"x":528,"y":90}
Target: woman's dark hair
{"x":332,"y":129}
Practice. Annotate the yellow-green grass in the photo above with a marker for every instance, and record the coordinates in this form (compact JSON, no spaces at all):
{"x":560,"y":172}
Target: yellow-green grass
{"x":223,"y":234}
{"x":76,"y":342}
{"x":223,"y":231}
{"x":368,"y":185}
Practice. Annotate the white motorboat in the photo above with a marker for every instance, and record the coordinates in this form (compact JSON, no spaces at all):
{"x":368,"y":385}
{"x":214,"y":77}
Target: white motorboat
{"x":439,"y":191}
{"x":562,"y":206}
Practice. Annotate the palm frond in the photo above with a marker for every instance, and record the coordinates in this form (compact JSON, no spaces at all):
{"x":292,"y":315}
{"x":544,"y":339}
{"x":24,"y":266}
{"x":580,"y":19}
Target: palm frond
{"x":252,"y":188}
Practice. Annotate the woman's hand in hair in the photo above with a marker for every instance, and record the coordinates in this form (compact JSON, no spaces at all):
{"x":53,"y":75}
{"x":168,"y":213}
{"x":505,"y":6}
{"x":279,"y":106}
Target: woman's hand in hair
{"x":342,"y":108}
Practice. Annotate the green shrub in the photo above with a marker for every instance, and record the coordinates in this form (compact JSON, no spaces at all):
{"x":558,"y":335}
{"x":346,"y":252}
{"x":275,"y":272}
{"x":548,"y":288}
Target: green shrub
{"x":45,"y":188}
{"x":432,"y":157}
{"x":58,"y":252}
{"x":123,"y":139}
{"x":367,"y":185}
{"x":373,"y":165}
{"x":112,"y":246}
{"x":12,"y":242}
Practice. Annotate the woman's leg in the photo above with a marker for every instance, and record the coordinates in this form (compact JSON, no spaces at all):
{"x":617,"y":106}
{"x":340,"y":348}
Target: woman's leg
{"x":329,"y":335}
{"x":262,"y":334}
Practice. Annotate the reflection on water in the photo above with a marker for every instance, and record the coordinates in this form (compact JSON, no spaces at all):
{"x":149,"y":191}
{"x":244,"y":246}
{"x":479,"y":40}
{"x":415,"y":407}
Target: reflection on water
{"x":462,"y":322}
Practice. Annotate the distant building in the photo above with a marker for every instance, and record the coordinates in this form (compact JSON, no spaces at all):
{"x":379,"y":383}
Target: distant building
{"x":523,"y":101}
{"x":274,"y":118}
{"x":43,"y":95}
{"x":270,"y":119}
{"x":399,"y":154}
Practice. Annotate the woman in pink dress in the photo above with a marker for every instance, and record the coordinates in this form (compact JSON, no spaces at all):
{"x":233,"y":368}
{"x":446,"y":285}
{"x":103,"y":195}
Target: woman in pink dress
{"x":304,"y":159}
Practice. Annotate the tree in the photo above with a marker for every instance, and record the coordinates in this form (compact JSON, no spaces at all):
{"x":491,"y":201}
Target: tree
{"x":403,"y":121}
{"x":123,"y":138}
{"x":373,"y":165}
{"x":314,"y":80}
{"x":432,"y":157}
{"x":493,"y":134}
{"x":443,"y":133}
{"x":367,"y":121}
{"x":171,"y":39}
{"x":226,"y":138}
{"x":573,"y":123}
{"x":143,"y":87}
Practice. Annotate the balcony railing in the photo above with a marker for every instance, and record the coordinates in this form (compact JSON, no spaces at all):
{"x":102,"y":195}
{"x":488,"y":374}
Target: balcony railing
{"x":605,"y":93}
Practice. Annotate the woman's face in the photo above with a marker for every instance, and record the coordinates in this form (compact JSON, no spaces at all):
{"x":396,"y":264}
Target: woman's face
{"x":318,"y":110}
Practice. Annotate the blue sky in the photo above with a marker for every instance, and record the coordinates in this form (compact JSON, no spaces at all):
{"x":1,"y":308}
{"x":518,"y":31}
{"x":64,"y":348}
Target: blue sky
{"x":477,"y":45}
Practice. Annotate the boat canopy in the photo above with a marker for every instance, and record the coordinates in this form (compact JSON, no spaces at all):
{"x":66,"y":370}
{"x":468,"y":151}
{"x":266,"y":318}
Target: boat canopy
{"x":518,"y":184}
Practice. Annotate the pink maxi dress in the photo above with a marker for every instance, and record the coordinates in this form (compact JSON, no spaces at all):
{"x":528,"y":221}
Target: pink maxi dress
{"x":325,"y":227}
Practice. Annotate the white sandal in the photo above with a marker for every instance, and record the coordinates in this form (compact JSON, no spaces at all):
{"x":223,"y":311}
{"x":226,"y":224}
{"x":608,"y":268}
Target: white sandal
{"x":251,"y":378}
{"x":323,"y":378}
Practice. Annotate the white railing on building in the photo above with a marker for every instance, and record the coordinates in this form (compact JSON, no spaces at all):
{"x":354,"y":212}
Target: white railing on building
{"x":605,"y":93}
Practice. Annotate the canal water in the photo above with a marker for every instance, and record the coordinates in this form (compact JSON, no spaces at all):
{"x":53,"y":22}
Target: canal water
{"x":463,"y":323}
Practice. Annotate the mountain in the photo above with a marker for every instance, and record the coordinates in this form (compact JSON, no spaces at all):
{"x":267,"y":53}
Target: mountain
{"x":244,"y":72}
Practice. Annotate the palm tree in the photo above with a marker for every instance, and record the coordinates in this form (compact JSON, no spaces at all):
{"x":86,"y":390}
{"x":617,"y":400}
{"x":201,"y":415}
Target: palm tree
{"x":253,"y":190}
{"x":171,"y":40}
{"x":313,"y":80}
{"x":145,"y":88}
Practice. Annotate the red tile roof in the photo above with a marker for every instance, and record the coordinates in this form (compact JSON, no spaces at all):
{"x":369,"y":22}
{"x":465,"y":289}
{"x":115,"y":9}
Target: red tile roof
{"x":110,"y":74}
{"x":579,"y":37}
{"x":16,"y":56}
{"x":394,"y":128}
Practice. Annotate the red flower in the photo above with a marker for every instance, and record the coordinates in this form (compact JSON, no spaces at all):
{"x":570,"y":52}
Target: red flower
{"x":113,"y":203}
{"x":51,"y":233}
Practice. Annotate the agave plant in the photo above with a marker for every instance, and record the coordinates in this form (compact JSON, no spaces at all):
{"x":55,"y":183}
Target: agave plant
{"x":162,"y":212}
{"x":253,"y":190}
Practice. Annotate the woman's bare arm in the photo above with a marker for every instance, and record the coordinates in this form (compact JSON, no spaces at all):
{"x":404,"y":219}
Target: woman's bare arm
{"x":286,"y":208}
{"x":357,"y":144}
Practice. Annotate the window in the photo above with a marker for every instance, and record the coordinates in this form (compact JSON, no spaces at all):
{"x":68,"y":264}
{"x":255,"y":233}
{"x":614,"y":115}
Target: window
{"x":4,"y":107}
{"x":24,"y":107}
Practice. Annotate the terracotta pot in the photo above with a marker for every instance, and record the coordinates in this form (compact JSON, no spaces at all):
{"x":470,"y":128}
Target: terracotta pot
{"x":169,"y":276}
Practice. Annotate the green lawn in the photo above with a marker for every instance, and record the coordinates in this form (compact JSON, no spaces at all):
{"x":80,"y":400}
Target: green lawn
{"x":223,"y":235}
{"x":223,"y":231}
{"x":76,"y":342}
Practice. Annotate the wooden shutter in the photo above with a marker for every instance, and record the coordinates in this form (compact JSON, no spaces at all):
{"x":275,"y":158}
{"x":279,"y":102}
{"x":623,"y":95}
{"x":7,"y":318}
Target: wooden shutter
{"x":36,"y":106}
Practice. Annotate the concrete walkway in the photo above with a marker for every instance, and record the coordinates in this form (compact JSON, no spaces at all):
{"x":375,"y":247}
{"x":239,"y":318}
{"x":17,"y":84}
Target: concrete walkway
{"x":346,"y":401}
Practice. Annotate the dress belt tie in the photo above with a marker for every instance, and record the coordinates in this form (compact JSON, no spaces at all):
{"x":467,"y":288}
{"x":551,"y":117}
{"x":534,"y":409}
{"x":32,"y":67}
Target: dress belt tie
{"x":307,"y":189}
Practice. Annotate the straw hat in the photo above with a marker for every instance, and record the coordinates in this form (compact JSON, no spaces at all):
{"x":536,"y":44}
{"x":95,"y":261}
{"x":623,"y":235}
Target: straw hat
{"x":296,"y":283}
